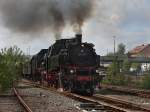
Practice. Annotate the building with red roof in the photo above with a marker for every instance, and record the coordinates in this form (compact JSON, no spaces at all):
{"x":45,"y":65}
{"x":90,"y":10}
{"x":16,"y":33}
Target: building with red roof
{"x":140,"y":51}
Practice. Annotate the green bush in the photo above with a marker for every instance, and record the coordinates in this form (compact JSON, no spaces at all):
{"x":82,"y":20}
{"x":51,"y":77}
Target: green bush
{"x":10,"y":66}
{"x":146,"y":82}
{"x":114,"y":77}
{"x":126,"y":65}
{"x":117,"y":79}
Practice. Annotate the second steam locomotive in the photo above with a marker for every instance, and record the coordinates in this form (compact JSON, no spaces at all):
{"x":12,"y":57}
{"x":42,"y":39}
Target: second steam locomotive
{"x":69,"y":64}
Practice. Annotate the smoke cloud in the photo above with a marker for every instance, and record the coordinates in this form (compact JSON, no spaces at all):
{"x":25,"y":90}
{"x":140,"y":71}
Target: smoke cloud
{"x":37,"y":15}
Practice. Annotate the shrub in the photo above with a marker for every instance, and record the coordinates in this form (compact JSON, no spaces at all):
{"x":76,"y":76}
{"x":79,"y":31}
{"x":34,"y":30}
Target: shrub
{"x":146,"y":82}
{"x":10,"y":66}
{"x":117,"y":79}
{"x":126,"y":65}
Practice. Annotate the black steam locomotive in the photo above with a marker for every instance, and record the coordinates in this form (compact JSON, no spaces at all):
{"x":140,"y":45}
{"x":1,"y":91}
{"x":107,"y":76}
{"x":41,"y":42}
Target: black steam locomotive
{"x":69,"y":64}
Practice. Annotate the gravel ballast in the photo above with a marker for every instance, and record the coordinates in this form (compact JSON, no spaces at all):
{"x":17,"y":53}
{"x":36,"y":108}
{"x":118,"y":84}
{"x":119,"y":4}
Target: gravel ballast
{"x":10,"y":103}
{"x":40,"y":100}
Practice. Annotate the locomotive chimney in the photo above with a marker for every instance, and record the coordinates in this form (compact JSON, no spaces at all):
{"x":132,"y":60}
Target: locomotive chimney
{"x":79,"y":37}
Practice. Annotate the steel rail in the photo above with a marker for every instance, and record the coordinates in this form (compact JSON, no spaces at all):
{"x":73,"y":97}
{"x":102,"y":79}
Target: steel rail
{"x":121,"y":103}
{"x":89,"y":99}
{"x":138,"y":92}
{"x":22,"y":102}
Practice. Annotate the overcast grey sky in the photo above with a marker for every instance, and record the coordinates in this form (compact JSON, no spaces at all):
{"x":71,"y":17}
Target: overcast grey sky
{"x":128,"y":20}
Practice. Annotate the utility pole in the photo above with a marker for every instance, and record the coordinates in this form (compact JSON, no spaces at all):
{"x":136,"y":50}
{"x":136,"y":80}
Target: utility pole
{"x":115,"y":60}
{"x":114,"y":37}
{"x":29,"y":50}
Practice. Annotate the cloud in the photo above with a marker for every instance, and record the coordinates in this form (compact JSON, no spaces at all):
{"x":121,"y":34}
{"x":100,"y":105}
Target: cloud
{"x":127,"y":20}
{"x":37,"y":15}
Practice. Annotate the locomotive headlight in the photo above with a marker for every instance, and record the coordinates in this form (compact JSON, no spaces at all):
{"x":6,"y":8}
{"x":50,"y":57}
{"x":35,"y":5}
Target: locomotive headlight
{"x":71,"y":71}
{"x":97,"y":71}
{"x":82,"y":45}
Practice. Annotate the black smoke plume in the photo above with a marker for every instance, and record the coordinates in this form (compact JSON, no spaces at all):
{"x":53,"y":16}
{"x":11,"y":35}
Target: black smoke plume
{"x":37,"y":15}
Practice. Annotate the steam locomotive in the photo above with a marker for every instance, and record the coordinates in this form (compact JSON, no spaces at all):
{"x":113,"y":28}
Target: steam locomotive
{"x":69,"y":64}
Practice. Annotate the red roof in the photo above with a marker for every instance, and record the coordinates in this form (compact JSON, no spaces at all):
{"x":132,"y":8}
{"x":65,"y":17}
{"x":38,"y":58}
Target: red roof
{"x":139,"y":49}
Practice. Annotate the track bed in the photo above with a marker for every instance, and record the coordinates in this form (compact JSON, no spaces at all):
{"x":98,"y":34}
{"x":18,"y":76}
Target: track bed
{"x":10,"y":103}
{"x":100,"y":103}
{"x":41,"y":100}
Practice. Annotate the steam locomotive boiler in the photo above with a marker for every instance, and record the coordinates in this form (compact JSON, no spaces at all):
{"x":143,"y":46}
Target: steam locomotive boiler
{"x":69,"y":64}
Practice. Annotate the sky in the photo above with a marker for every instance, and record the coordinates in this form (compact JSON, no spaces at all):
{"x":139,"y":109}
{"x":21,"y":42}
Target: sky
{"x":127,"y":20}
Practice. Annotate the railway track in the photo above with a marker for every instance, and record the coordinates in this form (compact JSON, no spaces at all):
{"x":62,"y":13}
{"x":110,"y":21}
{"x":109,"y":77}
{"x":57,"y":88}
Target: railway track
{"x":101,"y":102}
{"x":121,"y":103}
{"x":9,"y":103}
{"x":86,"y":104}
{"x":13,"y":103}
{"x":22,"y":102}
{"x":90,"y":104}
{"x":109,"y":103}
{"x":141,"y":93}
{"x":42,"y":100}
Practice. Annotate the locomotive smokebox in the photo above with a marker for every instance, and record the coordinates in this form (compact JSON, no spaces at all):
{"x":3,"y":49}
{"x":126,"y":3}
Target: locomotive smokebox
{"x":79,"y":37}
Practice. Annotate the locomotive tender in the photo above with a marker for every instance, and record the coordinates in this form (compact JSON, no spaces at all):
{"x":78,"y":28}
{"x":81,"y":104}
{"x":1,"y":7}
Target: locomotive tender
{"x":69,"y":64}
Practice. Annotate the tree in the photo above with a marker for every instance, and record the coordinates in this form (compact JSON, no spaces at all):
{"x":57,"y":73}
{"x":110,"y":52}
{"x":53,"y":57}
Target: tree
{"x":10,"y":66}
{"x":113,"y":73}
{"x":114,"y":79}
{"x":126,"y":65}
{"x":145,"y":84}
{"x":121,"y":49}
